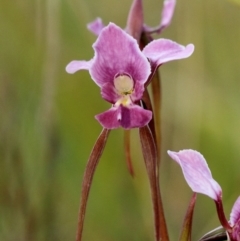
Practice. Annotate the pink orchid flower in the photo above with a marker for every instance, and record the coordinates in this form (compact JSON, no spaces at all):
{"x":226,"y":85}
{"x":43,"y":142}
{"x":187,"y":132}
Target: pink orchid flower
{"x":121,"y":70}
{"x":199,"y":178}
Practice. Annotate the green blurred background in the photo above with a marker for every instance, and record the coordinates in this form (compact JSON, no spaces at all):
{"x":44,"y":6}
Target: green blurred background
{"x":47,"y":125}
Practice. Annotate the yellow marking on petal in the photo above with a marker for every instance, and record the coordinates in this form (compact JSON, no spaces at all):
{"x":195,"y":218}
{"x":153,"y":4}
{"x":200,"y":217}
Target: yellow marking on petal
{"x":124,"y":84}
{"x":125,"y":101}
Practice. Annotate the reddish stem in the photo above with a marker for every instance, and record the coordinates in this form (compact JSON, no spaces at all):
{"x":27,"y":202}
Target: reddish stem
{"x":221,"y":216}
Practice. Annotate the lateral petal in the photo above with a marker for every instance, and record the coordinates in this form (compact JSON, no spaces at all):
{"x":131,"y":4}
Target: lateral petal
{"x":164,"y":50}
{"x":108,"y":93}
{"x":76,"y":65}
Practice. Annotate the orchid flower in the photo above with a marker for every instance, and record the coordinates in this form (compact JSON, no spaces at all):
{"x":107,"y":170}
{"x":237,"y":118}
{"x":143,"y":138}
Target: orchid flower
{"x":167,"y":12}
{"x":199,"y":178}
{"x":125,"y":62}
{"x":121,"y":70}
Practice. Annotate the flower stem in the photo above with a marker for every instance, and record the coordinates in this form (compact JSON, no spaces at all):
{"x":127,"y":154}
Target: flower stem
{"x":221,"y":216}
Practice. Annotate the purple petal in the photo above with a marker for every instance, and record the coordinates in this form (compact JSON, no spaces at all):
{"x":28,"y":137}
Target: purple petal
{"x":235,"y":213}
{"x":235,"y":220}
{"x":164,"y":50}
{"x":138,"y":92}
{"x":110,"y":118}
{"x":76,"y":65}
{"x":196,"y":173}
{"x":96,"y":26}
{"x":108,"y":93}
{"x":235,"y":233}
{"x":116,"y":52}
{"x":133,"y":116}
{"x":167,"y":13}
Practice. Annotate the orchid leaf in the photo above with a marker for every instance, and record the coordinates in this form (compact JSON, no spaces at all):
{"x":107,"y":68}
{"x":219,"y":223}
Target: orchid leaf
{"x":150,"y":158}
{"x":88,"y":177}
{"x":127,"y":152}
{"x":187,"y":224}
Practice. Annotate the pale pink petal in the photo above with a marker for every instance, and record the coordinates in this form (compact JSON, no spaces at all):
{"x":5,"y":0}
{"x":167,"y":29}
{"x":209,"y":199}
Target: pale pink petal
{"x":235,"y":213}
{"x":116,"y":52}
{"x":96,"y":26}
{"x":167,"y":14}
{"x":76,"y":65}
{"x":164,"y":50}
{"x":196,"y":173}
{"x":129,"y":117}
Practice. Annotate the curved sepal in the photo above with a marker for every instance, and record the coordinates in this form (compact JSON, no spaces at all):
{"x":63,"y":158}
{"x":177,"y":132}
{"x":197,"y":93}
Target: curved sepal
{"x":187,"y":224}
{"x":88,"y":177}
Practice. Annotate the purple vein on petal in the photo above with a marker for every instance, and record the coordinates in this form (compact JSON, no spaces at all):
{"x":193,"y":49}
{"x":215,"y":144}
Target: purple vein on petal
{"x":117,"y":52}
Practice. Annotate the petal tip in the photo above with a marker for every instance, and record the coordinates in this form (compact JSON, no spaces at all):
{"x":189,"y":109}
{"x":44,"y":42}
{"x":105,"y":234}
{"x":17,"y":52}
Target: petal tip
{"x":77,"y":65}
{"x":190,"y":48}
{"x":95,"y":26}
{"x":69,"y":68}
{"x":171,"y":153}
